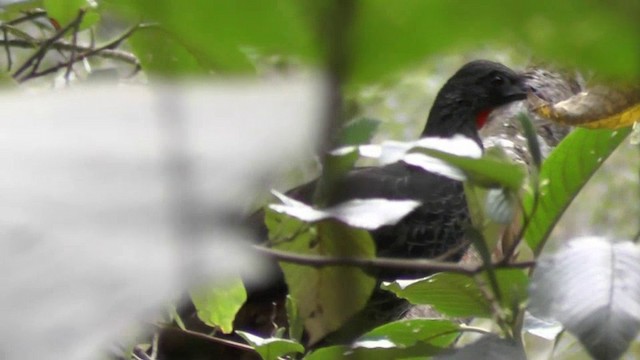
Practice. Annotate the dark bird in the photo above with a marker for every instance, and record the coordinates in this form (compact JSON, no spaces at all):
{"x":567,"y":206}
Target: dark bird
{"x":437,"y":226}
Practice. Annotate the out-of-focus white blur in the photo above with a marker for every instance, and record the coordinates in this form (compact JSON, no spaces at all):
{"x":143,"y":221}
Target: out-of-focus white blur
{"x":115,"y":199}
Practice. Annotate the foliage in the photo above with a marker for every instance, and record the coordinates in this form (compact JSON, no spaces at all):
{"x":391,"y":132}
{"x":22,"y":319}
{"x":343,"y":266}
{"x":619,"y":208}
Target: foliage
{"x":358,"y":43}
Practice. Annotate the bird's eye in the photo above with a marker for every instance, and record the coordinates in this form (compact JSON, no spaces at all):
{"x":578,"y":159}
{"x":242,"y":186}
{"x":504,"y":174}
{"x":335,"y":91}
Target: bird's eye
{"x":497,"y":80}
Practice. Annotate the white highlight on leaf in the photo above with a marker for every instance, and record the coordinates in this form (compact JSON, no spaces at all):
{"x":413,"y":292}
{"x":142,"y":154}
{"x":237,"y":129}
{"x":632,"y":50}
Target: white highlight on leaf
{"x":367,"y":214}
{"x":546,"y":329}
{"x":403,"y":283}
{"x":373,"y":344}
{"x":393,"y":151}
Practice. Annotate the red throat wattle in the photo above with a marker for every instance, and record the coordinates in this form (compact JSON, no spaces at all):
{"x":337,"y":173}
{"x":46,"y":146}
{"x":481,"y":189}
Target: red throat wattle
{"x":481,"y":118}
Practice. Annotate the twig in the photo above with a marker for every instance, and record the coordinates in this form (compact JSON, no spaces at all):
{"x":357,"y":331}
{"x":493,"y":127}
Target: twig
{"x":7,"y":49}
{"x":383,"y":263}
{"x":218,"y":340}
{"x":114,"y":54}
{"x":88,"y":52}
{"x":74,"y":42}
{"x":139,"y":354}
{"x":42,"y":50}
{"x":31,"y":15}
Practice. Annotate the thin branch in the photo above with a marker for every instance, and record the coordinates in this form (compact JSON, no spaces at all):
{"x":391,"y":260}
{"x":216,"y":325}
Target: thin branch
{"x":139,"y":354}
{"x":383,"y":263}
{"x":42,"y":50}
{"x":108,"y":47}
{"x":30,"y":15}
{"x":218,"y":340}
{"x":74,"y":42}
{"x":7,"y":49}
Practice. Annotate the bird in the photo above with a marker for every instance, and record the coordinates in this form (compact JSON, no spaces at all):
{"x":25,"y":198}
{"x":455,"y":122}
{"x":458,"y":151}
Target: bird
{"x":461,"y":108}
{"x":435,"y":227}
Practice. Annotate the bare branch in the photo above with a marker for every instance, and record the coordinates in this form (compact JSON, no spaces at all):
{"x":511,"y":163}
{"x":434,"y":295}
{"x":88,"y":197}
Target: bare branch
{"x":383,"y":263}
{"x":42,"y":50}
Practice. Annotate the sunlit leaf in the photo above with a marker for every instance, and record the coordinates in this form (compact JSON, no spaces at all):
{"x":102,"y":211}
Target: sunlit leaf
{"x":460,"y":295}
{"x":599,"y":107}
{"x":271,"y":348}
{"x":563,"y":174}
{"x":217,"y":306}
{"x":592,"y":287}
{"x":328,"y":296}
{"x":406,"y":333}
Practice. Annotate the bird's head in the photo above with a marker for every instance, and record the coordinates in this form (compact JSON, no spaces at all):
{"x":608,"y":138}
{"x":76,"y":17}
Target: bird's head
{"x":466,"y":99}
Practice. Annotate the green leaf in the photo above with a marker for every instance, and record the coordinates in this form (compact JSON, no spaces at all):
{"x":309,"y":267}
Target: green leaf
{"x":326,"y":297}
{"x":12,"y":9}
{"x":216,"y":31}
{"x":568,"y":31}
{"x":217,"y":306}
{"x":406,"y":333}
{"x":460,"y":295}
{"x":161,"y":53}
{"x":296,"y":323}
{"x":329,"y":353}
{"x":64,"y":11}
{"x":450,"y":294}
{"x":486,"y":171}
{"x":563,"y":174}
{"x":402,"y":339}
{"x":271,"y":348}
{"x":358,"y":131}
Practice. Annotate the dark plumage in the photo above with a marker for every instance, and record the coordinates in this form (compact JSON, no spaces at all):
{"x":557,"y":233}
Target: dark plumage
{"x":438,"y":224}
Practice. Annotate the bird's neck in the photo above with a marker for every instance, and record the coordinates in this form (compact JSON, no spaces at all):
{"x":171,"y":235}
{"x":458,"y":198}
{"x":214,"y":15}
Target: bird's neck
{"x":452,"y":116}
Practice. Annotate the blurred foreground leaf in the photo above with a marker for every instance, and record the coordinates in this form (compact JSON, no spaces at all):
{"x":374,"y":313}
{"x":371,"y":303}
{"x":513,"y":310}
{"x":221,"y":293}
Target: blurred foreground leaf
{"x":592,"y":287}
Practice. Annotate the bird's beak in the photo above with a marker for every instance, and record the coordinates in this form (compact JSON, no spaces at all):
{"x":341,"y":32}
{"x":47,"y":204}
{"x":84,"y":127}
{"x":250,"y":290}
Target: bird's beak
{"x":517,"y":91}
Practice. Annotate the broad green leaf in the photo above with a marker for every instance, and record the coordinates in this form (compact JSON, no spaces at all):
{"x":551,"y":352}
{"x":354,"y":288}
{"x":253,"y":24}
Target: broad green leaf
{"x":403,"y":33}
{"x":161,"y":53}
{"x":10,"y":9}
{"x":358,"y":131}
{"x":597,"y":108}
{"x":271,"y":348}
{"x":450,"y":294}
{"x":327,"y":297}
{"x":460,"y":295}
{"x":217,"y":306}
{"x":216,"y":32}
{"x":486,"y":171}
{"x":406,"y":333}
{"x":64,"y":11}
{"x":563,"y":174}
{"x":329,"y":353}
